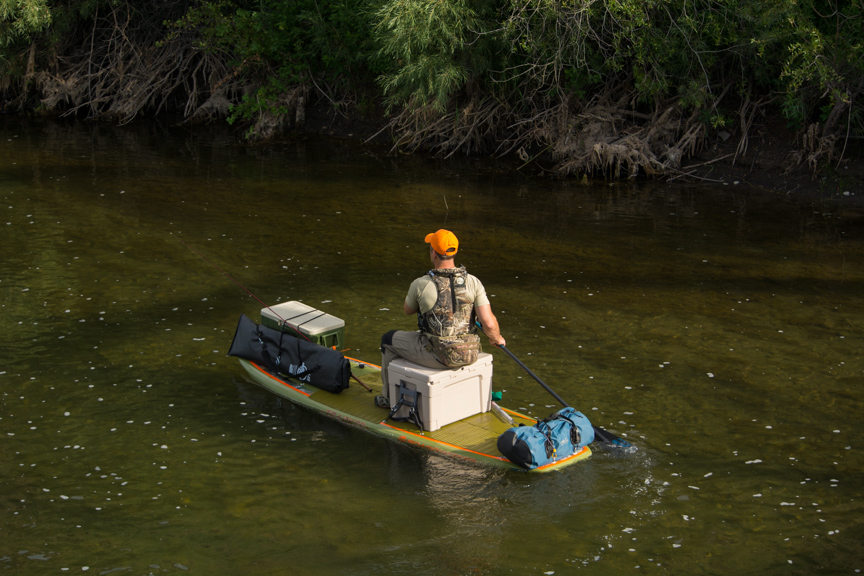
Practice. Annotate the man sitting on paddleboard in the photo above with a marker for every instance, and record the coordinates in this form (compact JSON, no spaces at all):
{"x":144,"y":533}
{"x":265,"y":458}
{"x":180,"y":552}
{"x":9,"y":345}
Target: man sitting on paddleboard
{"x":446,"y":300}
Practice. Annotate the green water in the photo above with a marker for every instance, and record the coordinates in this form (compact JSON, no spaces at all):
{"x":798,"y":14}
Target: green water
{"x":719,"y":329}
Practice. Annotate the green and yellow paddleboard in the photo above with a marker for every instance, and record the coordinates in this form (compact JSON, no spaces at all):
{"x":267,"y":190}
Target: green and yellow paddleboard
{"x":472,"y":439}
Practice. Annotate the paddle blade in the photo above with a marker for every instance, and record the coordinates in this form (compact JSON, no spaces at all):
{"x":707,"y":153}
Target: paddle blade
{"x":608,"y":438}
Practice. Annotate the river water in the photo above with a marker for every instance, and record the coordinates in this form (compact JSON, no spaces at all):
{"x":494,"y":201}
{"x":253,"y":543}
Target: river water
{"x":718,"y":328}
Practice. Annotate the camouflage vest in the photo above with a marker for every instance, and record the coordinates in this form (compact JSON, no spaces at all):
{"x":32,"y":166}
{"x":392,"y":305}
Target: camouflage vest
{"x":450,"y":323}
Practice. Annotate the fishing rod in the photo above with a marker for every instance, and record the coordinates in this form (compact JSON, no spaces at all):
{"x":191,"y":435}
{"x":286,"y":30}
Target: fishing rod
{"x":284,"y":321}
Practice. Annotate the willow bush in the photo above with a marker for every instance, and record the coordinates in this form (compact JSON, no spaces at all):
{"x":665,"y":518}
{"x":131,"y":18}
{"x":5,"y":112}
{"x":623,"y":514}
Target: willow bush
{"x":824,"y":66}
{"x":438,"y":48}
{"x":20,"y":19}
{"x":281,"y":48}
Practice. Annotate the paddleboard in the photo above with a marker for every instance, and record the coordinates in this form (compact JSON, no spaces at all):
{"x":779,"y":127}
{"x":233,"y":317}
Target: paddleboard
{"x":472,"y":439}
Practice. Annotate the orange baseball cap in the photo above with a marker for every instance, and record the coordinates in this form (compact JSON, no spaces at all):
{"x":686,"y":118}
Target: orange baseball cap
{"x":443,"y":242}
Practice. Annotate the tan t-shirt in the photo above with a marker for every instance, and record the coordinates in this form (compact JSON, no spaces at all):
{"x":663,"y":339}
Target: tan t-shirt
{"x":422,"y":294}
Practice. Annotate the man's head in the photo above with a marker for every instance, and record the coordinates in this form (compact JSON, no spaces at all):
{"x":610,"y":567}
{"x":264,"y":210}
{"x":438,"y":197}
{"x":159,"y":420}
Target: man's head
{"x":444,"y":243}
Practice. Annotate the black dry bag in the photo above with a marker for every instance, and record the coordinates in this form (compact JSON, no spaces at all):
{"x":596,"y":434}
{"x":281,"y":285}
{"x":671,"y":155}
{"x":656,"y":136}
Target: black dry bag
{"x":281,"y":353}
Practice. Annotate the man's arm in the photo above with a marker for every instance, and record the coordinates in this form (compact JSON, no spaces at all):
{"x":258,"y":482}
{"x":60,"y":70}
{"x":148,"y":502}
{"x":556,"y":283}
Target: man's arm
{"x":490,"y":325}
{"x":411,"y":304}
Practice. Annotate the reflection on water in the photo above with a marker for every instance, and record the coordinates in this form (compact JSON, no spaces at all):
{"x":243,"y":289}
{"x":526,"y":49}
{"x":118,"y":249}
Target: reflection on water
{"x":719,"y":329}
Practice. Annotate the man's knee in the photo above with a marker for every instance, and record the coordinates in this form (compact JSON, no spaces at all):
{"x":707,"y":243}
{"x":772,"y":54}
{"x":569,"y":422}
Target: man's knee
{"x":387,"y":339}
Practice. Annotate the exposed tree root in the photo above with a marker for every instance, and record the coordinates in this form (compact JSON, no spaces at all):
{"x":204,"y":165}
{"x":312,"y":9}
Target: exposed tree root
{"x":621,"y":145}
{"x":291,"y":106}
{"x":604,"y":138}
{"x":118,"y":72}
{"x":470,"y":129}
{"x":815,"y":149}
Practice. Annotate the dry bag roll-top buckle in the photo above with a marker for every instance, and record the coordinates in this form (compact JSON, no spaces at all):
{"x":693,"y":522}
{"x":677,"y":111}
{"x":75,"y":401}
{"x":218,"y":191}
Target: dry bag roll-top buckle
{"x":409,"y":399}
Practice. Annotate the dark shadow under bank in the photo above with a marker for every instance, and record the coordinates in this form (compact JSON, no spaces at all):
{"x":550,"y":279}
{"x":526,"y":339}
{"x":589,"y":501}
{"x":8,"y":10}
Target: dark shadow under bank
{"x":765,"y":165}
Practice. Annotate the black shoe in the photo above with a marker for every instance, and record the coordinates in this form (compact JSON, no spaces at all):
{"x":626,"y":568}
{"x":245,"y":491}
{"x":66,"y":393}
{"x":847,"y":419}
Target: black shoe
{"x":382,"y":402}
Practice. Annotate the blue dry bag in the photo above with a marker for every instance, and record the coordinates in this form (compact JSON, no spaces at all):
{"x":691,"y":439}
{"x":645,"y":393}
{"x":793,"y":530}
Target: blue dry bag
{"x":554,"y":438}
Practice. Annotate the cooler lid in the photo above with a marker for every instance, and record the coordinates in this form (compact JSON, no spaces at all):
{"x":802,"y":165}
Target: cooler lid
{"x":288,"y":311}
{"x":318,"y":322}
{"x":306,"y":318}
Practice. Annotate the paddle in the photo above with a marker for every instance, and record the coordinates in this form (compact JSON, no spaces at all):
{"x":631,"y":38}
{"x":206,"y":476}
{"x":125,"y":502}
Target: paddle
{"x":600,"y":433}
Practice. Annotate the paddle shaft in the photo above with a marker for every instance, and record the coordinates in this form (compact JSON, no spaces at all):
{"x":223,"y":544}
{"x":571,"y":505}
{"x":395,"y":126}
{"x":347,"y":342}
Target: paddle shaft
{"x":528,"y":370}
{"x":600,"y":433}
{"x":537,"y":378}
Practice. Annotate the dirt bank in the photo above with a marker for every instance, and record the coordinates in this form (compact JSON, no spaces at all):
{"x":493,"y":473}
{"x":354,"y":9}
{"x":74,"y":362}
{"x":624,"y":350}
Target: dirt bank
{"x":769,"y":164}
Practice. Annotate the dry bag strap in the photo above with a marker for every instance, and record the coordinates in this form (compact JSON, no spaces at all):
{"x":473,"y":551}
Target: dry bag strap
{"x":547,"y":437}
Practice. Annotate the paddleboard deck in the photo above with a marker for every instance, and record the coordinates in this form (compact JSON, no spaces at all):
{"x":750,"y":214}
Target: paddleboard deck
{"x":472,"y":439}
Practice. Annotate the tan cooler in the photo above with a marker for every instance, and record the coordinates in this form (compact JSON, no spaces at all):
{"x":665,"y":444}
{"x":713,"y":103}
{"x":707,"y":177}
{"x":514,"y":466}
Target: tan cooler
{"x":445,"y":395}
{"x":319,"y":327}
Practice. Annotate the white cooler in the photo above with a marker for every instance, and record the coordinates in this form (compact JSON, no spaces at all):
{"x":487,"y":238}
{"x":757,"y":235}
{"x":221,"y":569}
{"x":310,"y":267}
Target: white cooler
{"x":445,"y":395}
